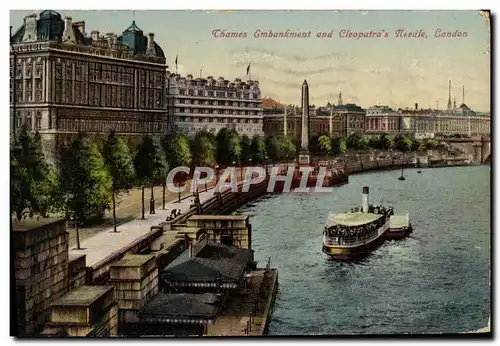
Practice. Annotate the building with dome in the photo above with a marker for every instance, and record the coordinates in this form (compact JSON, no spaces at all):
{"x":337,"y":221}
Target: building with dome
{"x":211,"y":104}
{"x":67,"y":80}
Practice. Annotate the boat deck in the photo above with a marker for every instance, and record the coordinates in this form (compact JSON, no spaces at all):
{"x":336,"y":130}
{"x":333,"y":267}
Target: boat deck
{"x":399,"y":221}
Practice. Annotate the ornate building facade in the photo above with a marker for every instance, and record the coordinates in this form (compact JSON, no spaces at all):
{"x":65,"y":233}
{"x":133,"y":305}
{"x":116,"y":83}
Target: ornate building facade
{"x":67,"y":81}
{"x":323,"y":121}
{"x":211,"y":104}
{"x":382,"y":119}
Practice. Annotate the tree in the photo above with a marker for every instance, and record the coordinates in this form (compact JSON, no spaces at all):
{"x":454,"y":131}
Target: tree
{"x":85,"y":182}
{"x":228,"y":146}
{"x":353,"y":141}
{"x":204,"y":149}
{"x":150,"y":165}
{"x":35,"y":180}
{"x":246,"y":149}
{"x":258,"y":148}
{"x":374,"y":142}
{"x":339,"y":146}
{"x":403,"y":143}
{"x":385,"y":142}
{"x":273,"y":148}
{"x":19,"y":183}
{"x":177,"y":148}
{"x":325,"y":143}
{"x":287,"y":148}
{"x":120,"y":167}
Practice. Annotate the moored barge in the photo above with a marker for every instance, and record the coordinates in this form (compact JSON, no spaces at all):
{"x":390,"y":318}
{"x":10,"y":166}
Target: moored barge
{"x":399,"y":227}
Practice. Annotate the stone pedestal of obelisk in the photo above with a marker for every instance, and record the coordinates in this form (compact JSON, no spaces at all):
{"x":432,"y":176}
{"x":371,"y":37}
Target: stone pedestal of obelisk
{"x":304,"y":155}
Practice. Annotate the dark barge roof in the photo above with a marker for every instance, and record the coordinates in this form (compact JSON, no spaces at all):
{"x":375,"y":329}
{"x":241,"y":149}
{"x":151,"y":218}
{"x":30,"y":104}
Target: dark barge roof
{"x":181,"y":306}
{"x":212,"y":262}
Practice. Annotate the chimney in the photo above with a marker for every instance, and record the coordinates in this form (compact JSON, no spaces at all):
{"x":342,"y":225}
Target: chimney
{"x":151,"y":44}
{"x":416,"y":106}
{"x":68,"y":29}
{"x":190,"y":249}
{"x":366,"y":192}
{"x":95,"y":35}
{"x":80,"y":26}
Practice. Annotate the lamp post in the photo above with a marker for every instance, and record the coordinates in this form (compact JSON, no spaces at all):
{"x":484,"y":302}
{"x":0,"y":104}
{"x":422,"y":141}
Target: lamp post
{"x":265,"y":163}
{"x":216,"y":175}
{"x":152,"y":201}
{"x":250,"y":164}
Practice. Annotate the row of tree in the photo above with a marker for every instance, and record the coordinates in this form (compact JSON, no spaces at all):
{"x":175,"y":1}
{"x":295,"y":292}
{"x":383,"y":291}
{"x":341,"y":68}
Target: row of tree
{"x":89,"y":175}
{"x":326,"y":145}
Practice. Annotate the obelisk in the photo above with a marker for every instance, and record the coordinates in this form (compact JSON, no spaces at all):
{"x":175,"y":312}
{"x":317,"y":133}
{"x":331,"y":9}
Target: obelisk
{"x":304,"y":157}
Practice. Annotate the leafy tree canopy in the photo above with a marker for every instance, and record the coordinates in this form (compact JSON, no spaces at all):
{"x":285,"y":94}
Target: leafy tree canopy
{"x":85,"y":182}
{"x":150,"y":163}
{"x":119,"y":161}
{"x":258,"y":148}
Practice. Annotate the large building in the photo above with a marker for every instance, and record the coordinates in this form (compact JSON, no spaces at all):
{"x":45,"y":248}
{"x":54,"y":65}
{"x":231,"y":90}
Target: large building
{"x":322,"y":121}
{"x":68,"y":81}
{"x":210,"y":104}
{"x":382,"y":119}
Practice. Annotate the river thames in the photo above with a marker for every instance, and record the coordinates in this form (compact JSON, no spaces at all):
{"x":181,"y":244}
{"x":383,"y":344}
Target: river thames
{"x":437,"y":281}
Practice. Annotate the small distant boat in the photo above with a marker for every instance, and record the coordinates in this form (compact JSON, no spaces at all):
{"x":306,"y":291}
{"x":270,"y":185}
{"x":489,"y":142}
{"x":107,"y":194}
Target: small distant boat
{"x":419,"y":171}
{"x":399,"y":227}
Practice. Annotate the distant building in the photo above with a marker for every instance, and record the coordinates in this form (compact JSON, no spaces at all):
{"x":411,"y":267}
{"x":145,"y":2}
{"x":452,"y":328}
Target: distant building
{"x":67,"y":81}
{"x":274,"y":121}
{"x":381,"y":119}
{"x":211,"y":104}
{"x":354,"y":117}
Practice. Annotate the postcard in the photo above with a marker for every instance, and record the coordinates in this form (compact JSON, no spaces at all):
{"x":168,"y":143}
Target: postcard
{"x":250,"y":173}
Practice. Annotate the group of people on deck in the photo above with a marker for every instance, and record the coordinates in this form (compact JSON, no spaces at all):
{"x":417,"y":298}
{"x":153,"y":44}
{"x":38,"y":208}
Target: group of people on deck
{"x":355,"y":233}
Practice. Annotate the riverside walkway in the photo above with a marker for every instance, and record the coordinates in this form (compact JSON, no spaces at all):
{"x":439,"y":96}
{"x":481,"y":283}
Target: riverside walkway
{"x":102,"y":244}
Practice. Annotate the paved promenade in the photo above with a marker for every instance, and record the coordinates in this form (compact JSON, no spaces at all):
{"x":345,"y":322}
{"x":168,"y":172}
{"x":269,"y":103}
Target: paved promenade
{"x":102,"y":244}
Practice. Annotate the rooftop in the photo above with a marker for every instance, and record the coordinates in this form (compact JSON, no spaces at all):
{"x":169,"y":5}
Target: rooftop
{"x":351,"y":219}
{"x":83,"y":296}
{"x":181,"y":305}
{"x":212,"y":262}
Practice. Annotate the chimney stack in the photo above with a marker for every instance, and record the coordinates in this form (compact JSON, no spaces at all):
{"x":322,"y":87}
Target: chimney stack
{"x":80,"y":26}
{"x":95,"y":35}
{"x":366,"y":192}
{"x":416,"y":106}
{"x":151,"y":44}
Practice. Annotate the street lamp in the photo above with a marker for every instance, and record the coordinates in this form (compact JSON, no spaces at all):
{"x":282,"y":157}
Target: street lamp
{"x":250,"y":163}
{"x":265,"y":163}
{"x":152,"y":201}
{"x":216,"y":174}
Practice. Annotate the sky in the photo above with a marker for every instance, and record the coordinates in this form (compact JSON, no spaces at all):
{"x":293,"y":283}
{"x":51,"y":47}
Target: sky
{"x":397,"y":72}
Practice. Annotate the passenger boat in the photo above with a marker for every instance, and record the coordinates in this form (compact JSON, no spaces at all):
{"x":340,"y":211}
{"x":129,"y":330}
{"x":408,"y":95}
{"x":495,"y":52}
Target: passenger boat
{"x":399,"y":227}
{"x":354,"y":235}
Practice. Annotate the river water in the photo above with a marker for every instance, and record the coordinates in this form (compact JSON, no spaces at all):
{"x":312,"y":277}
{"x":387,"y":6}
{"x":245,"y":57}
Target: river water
{"x":438,"y":281}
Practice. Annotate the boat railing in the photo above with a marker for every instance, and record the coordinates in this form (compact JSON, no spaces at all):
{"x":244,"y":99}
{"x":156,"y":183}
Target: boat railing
{"x":360,"y":239}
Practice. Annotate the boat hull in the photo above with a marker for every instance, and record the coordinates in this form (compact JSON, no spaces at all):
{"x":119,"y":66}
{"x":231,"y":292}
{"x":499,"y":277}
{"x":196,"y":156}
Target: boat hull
{"x":398,"y":233}
{"x":352,"y":253}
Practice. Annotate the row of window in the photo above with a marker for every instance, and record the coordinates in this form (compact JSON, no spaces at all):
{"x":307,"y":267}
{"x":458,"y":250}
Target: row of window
{"x":212,"y":93}
{"x":215,"y":111}
{"x":218,"y":103}
{"x":98,"y":125}
{"x":219,"y":120}
{"x":31,"y":119}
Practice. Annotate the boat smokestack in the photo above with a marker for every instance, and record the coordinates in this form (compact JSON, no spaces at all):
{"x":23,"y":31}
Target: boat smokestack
{"x":364,"y":205}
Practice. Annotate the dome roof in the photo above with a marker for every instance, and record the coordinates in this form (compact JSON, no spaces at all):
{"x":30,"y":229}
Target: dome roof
{"x":49,"y":13}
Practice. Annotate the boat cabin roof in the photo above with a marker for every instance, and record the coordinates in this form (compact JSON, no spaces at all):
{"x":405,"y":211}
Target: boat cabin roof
{"x":352,"y":219}
{"x":399,"y":221}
